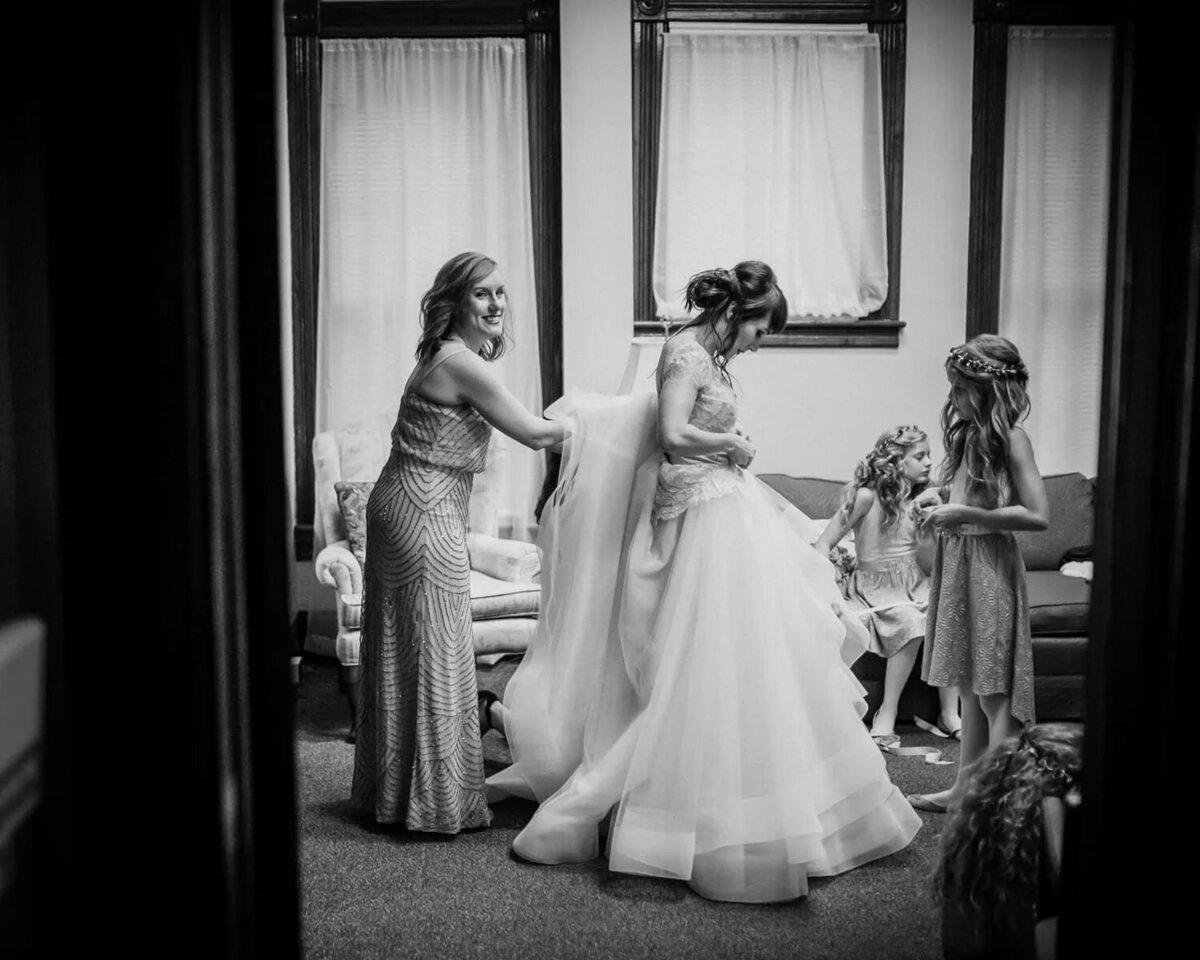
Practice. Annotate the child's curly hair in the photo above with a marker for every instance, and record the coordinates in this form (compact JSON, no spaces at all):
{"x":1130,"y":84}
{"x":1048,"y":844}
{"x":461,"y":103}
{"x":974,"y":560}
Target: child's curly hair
{"x":880,"y":471}
{"x":992,"y":845}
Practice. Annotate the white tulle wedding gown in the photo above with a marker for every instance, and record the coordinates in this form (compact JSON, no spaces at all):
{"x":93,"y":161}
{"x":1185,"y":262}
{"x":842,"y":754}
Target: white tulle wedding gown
{"x":690,"y":669}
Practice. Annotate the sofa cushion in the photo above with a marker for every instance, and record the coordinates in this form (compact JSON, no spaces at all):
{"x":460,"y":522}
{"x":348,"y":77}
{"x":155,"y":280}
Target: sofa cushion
{"x":352,"y":496}
{"x":1055,"y":656}
{"x":819,"y":499}
{"x":495,"y":638}
{"x":1070,"y":496}
{"x":492,"y":598}
{"x":1057,"y":603}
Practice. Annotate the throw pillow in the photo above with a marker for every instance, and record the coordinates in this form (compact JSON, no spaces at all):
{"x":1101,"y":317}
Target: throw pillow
{"x":352,"y":498}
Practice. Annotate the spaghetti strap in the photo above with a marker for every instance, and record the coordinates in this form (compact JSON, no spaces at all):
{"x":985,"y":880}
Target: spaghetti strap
{"x":443,"y":354}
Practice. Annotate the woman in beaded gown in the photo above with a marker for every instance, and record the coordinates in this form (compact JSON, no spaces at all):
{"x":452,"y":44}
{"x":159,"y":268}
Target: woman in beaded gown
{"x":690,"y":672}
{"x":418,"y":760}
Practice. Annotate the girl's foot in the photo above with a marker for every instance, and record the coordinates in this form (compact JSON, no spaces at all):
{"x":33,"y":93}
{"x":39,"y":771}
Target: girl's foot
{"x":883,"y":724}
{"x":939,"y":802}
{"x":951,"y":725}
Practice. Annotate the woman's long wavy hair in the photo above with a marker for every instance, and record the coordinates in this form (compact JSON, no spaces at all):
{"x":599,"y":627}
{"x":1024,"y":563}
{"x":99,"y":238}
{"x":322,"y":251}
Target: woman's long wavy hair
{"x":990,"y":371}
{"x":881,"y":471}
{"x":992,"y":845}
{"x":750,"y":291}
{"x":444,"y":302}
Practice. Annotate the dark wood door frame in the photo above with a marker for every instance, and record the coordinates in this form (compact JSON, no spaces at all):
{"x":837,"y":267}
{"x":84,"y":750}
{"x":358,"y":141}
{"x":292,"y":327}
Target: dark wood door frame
{"x":306,"y":23}
{"x":989,"y":95}
{"x":1141,"y":658}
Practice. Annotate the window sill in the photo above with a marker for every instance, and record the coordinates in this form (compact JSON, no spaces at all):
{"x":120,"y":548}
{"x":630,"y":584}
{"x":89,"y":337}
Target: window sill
{"x":816,"y":333}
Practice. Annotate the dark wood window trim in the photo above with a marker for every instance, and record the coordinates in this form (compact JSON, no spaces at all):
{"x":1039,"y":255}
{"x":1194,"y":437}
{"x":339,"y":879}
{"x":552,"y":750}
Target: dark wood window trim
{"x":992,"y":20}
{"x":306,"y":23}
{"x":651,"y":19}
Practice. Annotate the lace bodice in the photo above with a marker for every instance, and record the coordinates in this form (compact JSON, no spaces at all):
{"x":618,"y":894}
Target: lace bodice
{"x":688,"y":480}
{"x":716,"y":403}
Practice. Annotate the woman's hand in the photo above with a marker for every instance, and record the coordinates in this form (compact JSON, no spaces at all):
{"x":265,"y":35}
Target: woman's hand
{"x":931,"y":497}
{"x":743,"y":451}
{"x":947,"y":515}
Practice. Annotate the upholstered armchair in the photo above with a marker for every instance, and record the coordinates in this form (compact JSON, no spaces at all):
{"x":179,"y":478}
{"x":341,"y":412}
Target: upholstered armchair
{"x":505,"y":593}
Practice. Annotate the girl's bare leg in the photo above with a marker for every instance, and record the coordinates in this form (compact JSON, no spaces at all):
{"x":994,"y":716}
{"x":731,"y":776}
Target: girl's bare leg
{"x":976,"y":732}
{"x":899,"y":666}
{"x":1001,"y":723}
{"x":948,"y":715}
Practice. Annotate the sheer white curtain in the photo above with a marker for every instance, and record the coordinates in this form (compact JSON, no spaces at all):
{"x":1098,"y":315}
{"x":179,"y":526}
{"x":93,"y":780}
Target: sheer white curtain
{"x":1055,"y":228}
{"x":424,"y":154}
{"x":772,"y":149}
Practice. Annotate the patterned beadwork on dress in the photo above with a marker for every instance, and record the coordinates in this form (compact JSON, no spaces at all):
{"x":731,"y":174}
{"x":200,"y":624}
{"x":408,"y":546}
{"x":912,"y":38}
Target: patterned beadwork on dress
{"x":418,"y":757}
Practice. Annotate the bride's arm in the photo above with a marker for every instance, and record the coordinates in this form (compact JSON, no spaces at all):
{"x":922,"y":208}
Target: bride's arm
{"x":679,"y":438}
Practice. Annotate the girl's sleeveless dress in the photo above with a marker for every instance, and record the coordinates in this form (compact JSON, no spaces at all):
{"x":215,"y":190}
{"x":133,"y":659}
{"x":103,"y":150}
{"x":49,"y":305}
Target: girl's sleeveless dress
{"x":418,"y":759}
{"x":689,"y":673}
{"x":977,"y":634}
{"x":887,"y":587}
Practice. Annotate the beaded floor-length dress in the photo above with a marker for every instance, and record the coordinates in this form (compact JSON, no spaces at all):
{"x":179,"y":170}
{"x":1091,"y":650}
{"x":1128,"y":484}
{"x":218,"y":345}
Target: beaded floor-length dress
{"x":418,"y":759}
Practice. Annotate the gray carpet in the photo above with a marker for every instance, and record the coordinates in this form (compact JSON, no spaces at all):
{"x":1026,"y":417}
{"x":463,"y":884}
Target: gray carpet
{"x":372,"y":892}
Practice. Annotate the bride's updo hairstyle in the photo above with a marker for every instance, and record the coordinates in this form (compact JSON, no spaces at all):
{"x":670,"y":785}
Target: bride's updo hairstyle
{"x":750,"y":292}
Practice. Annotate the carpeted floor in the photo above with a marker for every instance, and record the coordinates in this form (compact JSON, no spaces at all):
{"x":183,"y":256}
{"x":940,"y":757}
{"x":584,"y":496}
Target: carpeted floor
{"x":371,"y":892}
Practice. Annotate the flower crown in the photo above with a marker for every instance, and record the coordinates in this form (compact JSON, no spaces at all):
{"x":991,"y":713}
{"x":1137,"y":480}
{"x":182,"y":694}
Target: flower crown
{"x":972,"y":362}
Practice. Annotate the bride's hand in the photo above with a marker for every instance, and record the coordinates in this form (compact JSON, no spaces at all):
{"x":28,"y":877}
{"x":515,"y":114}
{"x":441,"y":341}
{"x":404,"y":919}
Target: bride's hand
{"x":743,"y":451}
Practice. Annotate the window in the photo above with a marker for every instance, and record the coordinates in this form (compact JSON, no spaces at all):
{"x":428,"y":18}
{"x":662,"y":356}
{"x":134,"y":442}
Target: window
{"x":310,"y":22}
{"x":772,"y":131}
{"x":1039,"y":212}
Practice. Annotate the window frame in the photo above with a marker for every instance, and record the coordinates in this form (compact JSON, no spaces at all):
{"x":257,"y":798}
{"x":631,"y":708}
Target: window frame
{"x":306,"y":24}
{"x":992,"y":20}
{"x":650,"y":20}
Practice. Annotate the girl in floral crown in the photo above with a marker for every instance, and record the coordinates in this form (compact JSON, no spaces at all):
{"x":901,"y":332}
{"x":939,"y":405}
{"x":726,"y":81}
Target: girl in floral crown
{"x":977,"y":628}
{"x":887,"y":588}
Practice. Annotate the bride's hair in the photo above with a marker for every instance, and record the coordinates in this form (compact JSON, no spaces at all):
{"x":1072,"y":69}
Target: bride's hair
{"x":749,"y":291}
{"x":443,"y":302}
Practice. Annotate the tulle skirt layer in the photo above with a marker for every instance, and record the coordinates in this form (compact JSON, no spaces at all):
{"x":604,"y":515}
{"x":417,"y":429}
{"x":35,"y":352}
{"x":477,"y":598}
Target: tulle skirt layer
{"x":726,"y":731}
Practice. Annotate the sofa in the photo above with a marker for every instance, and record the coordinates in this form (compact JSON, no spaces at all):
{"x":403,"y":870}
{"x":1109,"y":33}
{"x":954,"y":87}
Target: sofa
{"x":505,"y":573}
{"x":1059,"y":603}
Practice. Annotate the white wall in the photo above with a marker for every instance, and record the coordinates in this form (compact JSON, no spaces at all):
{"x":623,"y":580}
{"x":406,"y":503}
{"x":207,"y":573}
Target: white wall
{"x":811,"y":411}
{"x":597,"y":177}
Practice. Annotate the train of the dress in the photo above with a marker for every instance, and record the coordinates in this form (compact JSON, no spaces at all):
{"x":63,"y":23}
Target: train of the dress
{"x":692,"y":674}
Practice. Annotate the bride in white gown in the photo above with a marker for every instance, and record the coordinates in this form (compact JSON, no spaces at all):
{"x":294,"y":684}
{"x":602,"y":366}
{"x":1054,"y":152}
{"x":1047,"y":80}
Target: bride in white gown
{"x":691,"y":664}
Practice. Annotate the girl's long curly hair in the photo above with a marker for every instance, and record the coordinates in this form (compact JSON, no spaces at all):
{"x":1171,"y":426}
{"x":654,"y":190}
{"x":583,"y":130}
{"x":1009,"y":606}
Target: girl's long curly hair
{"x":989,"y":371}
{"x":880,"y":471}
{"x":750,"y":290}
{"x":444,"y":302}
{"x":992,"y":844}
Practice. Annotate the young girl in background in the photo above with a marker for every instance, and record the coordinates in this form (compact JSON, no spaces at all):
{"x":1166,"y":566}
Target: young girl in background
{"x":888,"y":589}
{"x":977,"y":629}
